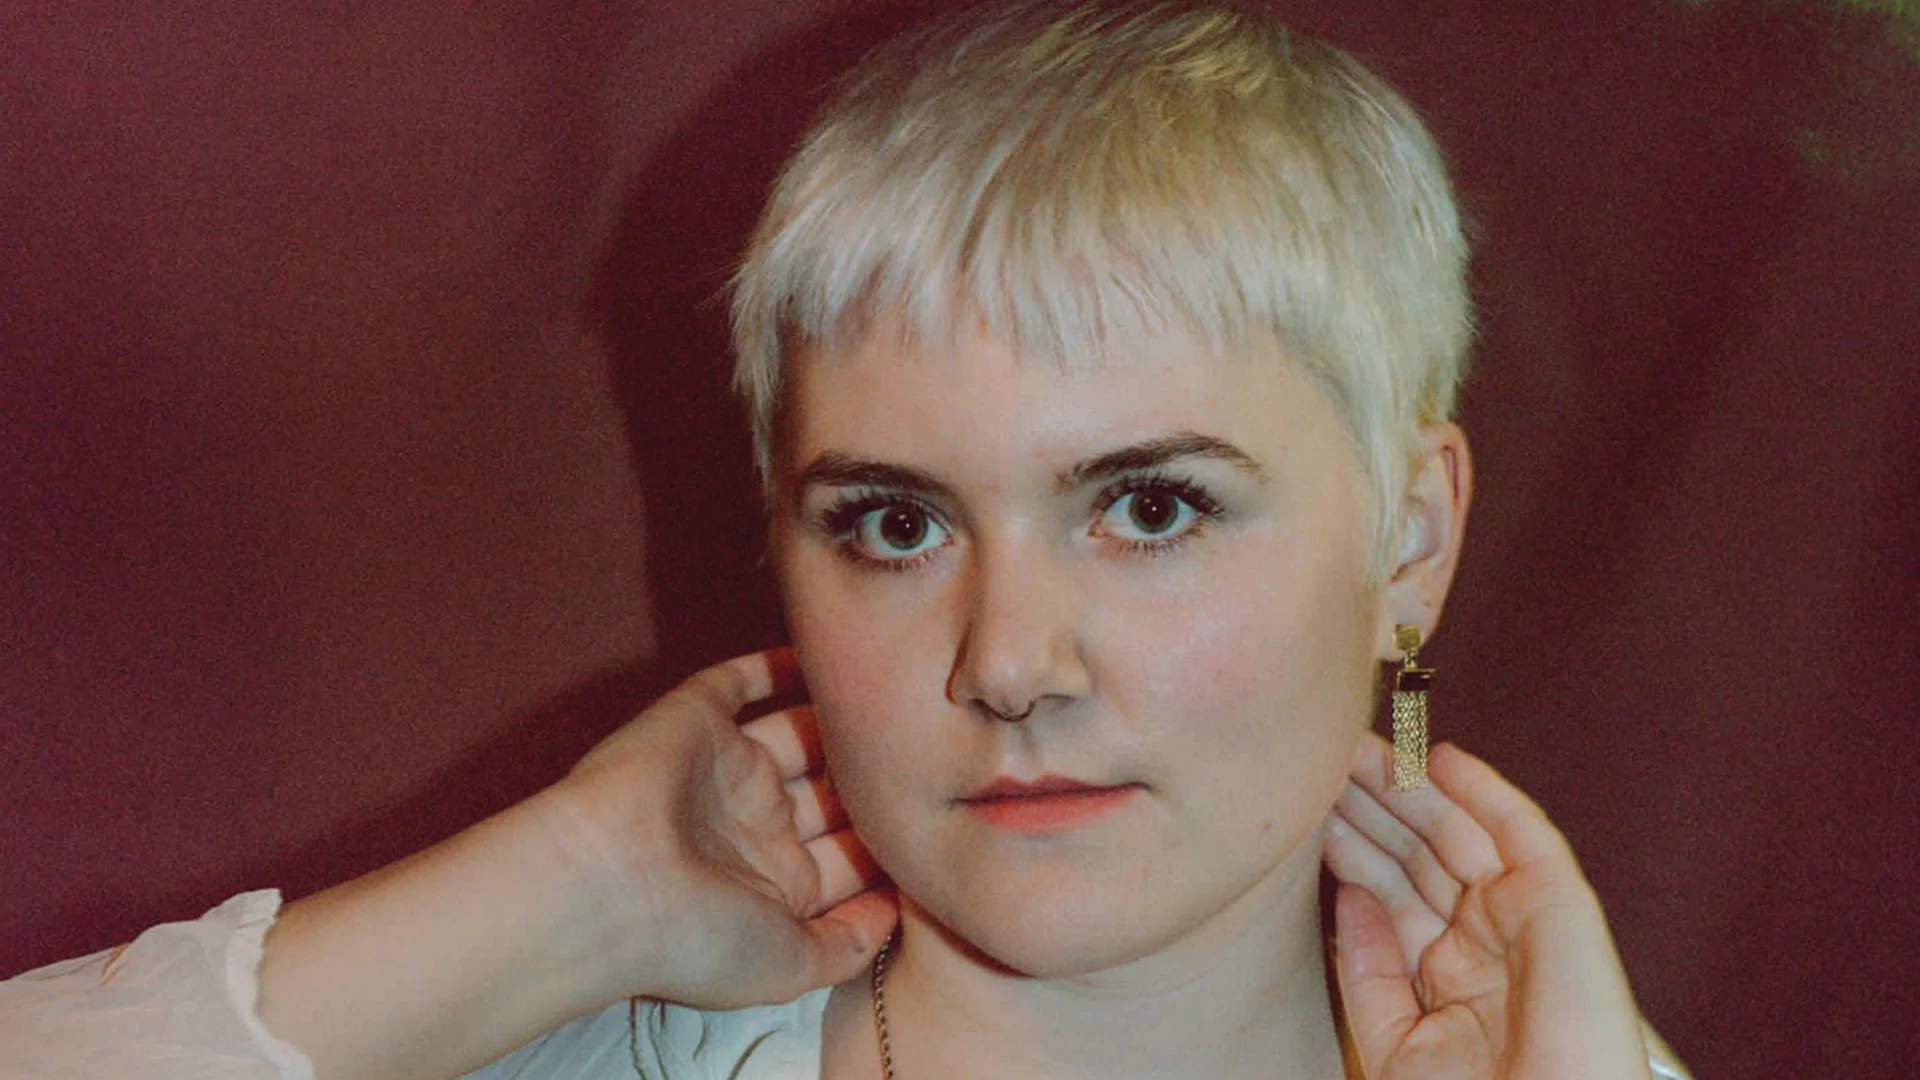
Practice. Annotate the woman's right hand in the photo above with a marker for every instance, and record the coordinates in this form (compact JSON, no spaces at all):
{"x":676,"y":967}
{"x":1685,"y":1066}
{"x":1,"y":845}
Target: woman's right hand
{"x":716,"y":851}
{"x":688,"y":857}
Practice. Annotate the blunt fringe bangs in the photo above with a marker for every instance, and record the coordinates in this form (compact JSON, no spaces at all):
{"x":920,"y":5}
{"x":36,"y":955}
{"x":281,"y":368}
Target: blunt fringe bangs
{"x":1066,"y":177}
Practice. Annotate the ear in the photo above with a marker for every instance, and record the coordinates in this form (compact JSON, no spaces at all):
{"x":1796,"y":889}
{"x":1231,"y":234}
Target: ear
{"x":1432,"y":523}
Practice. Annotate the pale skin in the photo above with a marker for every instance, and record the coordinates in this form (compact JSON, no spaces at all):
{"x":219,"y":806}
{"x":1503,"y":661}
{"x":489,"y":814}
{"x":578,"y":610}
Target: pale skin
{"x":698,"y":859}
{"x":690,"y":857}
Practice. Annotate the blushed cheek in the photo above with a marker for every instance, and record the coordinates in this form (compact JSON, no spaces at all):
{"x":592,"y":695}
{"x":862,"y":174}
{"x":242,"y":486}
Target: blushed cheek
{"x":838,"y":655}
{"x":1260,"y":679}
{"x":853,"y":735}
{"x":1215,"y":652}
{"x":858,"y":682}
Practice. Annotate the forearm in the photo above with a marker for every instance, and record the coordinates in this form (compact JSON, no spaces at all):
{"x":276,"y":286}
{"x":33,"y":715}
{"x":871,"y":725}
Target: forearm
{"x":440,"y":963}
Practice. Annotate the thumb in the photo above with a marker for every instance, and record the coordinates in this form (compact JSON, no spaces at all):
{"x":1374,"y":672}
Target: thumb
{"x":847,"y":937}
{"x":1375,"y":989}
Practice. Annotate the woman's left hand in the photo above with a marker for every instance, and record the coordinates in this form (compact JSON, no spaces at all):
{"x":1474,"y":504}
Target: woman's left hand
{"x":1468,"y":944}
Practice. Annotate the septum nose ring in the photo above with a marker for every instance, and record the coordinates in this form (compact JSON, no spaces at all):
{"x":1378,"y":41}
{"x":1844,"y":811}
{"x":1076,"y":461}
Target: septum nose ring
{"x":1009,"y":717}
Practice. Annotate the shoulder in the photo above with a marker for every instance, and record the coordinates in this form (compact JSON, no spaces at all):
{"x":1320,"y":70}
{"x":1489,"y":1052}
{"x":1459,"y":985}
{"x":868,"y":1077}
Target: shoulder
{"x":655,"y":1041}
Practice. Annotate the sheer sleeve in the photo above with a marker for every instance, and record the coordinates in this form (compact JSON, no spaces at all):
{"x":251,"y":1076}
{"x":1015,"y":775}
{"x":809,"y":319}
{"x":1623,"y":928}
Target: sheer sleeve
{"x":177,"y":1002}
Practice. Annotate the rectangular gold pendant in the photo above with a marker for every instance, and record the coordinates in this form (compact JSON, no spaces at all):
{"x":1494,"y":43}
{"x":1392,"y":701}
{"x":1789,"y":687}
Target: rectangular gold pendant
{"x":1410,"y":728}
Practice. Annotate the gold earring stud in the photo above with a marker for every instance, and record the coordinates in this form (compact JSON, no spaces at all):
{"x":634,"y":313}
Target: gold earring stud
{"x":1410,"y":685}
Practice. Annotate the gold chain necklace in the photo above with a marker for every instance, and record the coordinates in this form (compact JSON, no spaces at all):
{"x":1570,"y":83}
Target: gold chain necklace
{"x":880,"y":1007}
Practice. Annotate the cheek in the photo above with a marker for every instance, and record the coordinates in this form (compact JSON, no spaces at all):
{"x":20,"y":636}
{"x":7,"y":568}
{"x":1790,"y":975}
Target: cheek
{"x":1261,"y":668}
{"x":1241,"y":629}
{"x":866,"y":678}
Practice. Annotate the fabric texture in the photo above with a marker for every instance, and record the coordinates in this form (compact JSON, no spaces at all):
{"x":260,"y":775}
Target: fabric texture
{"x":179,"y":1003}
{"x":668,"y":1042}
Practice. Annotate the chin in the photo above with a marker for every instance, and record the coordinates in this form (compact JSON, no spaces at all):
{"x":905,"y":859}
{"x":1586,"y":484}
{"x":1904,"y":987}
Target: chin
{"x":1046,"y":945}
{"x":1065,"y":913}
{"x":1043,"y":927}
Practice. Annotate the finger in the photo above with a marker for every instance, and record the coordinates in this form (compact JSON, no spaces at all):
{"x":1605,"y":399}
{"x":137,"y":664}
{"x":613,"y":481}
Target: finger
{"x":847,"y":937}
{"x":1391,"y":835}
{"x":1549,"y":917}
{"x":1519,"y":830}
{"x":845,"y":866}
{"x":1355,"y":860}
{"x":731,"y":685}
{"x":792,"y":737}
{"x":1459,"y":841}
{"x":1372,"y":973}
{"x":816,"y":806}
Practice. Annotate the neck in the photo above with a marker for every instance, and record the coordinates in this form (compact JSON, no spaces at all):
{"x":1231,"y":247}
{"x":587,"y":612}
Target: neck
{"x":1243,"y":995}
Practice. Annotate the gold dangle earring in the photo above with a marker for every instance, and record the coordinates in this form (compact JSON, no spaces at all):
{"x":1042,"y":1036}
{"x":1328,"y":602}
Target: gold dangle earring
{"x":1410,"y":685}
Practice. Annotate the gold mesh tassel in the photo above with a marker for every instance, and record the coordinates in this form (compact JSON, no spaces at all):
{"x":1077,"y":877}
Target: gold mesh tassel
{"x":1410,"y":685}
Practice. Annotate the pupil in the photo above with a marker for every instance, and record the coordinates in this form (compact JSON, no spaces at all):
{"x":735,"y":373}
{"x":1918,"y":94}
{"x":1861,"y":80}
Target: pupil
{"x":1154,"y":513}
{"x":903,"y":528}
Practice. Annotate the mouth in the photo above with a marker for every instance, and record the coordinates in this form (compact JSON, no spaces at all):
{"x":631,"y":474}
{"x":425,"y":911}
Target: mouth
{"x":1048,"y":804}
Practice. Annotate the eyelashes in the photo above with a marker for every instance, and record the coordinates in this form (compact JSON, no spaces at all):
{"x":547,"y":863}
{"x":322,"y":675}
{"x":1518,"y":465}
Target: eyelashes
{"x":1147,"y":514}
{"x":856,"y":517}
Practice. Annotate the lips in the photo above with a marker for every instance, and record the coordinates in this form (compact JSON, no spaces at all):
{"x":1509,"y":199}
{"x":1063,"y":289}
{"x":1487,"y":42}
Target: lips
{"x":1006,"y":787}
{"x":1047,"y":804}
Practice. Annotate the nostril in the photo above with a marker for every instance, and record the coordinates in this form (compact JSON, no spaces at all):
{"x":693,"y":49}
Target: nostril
{"x":1009,"y":715}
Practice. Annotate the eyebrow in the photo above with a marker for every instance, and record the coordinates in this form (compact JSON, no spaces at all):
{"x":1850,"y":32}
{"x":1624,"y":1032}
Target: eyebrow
{"x":836,"y":469}
{"x":1155,"y":453}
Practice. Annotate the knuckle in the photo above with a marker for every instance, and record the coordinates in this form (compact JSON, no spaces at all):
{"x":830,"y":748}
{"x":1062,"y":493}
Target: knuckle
{"x":704,"y":694}
{"x":1404,"y":846}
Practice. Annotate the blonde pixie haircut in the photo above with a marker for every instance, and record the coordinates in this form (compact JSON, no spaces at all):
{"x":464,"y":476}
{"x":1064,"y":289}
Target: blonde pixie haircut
{"x":1067,"y":176}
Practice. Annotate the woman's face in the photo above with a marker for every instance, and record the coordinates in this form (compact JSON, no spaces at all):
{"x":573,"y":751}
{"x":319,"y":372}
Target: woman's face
{"x":1163,"y":557}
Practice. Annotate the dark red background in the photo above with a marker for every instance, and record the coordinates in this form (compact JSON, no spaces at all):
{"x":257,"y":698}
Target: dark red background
{"x":344,"y":343}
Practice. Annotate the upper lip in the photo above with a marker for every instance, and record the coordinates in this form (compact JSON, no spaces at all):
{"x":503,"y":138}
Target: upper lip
{"x":1008,"y":787}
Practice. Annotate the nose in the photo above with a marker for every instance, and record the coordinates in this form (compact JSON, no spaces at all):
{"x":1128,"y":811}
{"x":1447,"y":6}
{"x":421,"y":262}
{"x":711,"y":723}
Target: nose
{"x":1019,"y":652}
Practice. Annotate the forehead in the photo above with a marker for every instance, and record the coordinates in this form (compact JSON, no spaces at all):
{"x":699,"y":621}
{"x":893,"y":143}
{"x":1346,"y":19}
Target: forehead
{"x":980,"y":404}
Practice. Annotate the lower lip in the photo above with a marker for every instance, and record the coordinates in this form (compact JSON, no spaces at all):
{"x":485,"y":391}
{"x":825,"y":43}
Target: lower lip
{"x":1049,"y":813}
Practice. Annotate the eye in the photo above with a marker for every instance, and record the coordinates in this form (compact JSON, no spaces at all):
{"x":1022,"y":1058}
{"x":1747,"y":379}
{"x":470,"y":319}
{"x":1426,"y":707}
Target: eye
{"x":1148,"y":515}
{"x":898,"y":531}
{"x":886,"y":530}
{"x":1155,"y":514}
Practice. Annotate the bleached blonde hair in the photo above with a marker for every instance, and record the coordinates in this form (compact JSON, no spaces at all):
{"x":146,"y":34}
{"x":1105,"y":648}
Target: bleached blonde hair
{"x":1066,"y":176}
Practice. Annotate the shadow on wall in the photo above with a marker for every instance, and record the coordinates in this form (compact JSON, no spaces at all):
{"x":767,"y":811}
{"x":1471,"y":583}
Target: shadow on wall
{"x":525,"y":756}
{"x":661,"y":302}
{"x":658,"y":300}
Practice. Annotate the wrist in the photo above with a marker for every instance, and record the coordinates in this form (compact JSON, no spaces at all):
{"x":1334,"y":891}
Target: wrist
{"x":547,"y":913}
{"x":608,"y":853}
{"x":439,"y":963}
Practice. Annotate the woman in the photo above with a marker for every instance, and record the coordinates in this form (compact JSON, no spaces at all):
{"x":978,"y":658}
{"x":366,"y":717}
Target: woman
{"x":1100,"y":365}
